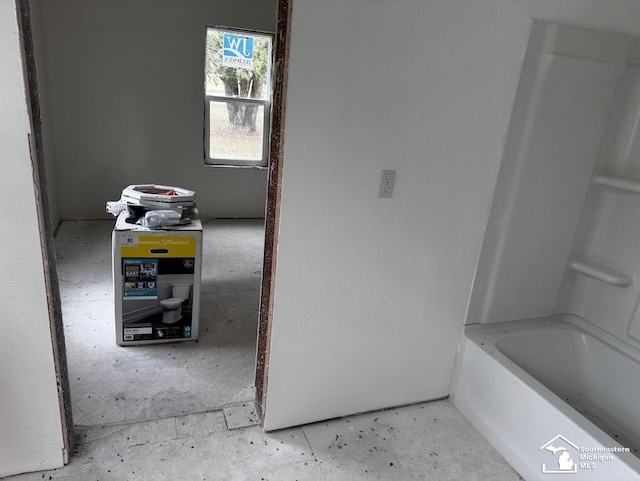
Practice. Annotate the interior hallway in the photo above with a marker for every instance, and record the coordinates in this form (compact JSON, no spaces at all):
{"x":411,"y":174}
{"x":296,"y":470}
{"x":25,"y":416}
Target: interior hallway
{"x":111,"y":384}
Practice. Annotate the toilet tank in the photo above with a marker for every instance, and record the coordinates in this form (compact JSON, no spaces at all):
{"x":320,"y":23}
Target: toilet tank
{"x":181,"y":291}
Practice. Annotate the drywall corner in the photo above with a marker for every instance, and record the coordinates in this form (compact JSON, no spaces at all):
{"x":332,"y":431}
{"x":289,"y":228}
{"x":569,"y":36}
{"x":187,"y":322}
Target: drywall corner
{"x":31,"y":436}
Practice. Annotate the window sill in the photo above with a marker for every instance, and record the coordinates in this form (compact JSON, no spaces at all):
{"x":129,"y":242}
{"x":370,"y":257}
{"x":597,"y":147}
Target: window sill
{"x":237,"y":166}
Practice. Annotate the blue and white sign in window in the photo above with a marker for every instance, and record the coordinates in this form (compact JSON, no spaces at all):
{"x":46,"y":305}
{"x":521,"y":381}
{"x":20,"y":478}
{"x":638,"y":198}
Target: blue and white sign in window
{"x":237,"y":51}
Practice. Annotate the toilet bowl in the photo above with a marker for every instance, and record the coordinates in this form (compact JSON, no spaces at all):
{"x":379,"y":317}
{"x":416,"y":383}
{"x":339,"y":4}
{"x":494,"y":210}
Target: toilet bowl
{"x":172,"y":307}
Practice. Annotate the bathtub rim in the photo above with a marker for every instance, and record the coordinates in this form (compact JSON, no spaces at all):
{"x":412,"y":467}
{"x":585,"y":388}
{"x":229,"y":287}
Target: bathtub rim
{"x":482,"y":338}
{"x":476,"y":332}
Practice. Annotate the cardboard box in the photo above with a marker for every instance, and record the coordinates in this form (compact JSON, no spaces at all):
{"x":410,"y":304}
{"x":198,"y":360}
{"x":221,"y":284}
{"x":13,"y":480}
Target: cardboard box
{"x":149,"y":268}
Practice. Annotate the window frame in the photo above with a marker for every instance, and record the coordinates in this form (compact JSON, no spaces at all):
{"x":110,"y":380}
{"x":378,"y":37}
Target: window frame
{"x":263,"y":163}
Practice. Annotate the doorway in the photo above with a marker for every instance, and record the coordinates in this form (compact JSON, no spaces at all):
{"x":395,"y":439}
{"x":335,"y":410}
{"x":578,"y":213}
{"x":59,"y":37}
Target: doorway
{"x":83,"y":267}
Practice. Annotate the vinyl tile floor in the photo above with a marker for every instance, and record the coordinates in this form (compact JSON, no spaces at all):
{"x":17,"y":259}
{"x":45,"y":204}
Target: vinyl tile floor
{"x":185,"y":411}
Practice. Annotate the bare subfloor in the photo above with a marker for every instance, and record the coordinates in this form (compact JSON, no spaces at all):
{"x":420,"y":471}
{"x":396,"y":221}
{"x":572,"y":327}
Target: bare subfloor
{"x":185,"y":411}
{"x":111,"y":384}
{"x":430,"y":441}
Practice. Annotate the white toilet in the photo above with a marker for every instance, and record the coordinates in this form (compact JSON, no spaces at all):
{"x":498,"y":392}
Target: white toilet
{"x":172,"y":307}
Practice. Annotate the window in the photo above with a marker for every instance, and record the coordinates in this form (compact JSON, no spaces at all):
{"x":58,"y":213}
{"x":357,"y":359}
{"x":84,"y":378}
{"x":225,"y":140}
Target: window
{"x":237,"y":97}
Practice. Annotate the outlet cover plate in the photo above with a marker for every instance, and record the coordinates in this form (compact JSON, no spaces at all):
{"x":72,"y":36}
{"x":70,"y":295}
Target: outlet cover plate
{"x":387,"y":181}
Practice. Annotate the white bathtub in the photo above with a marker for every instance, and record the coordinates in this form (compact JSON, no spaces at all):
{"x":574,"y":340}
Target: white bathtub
{"x":524,"y":383}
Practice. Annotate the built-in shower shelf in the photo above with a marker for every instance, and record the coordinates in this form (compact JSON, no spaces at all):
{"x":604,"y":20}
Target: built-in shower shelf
{"x":592,"y":268}
{"x":619,"y":184}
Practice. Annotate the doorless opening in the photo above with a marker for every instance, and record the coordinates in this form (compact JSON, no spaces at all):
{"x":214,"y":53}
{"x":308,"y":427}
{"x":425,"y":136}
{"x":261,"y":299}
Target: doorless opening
{"x":47,"y":229}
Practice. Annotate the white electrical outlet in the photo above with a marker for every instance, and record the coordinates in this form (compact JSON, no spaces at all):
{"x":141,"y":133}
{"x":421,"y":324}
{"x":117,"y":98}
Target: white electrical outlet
{"x":387,"y":180}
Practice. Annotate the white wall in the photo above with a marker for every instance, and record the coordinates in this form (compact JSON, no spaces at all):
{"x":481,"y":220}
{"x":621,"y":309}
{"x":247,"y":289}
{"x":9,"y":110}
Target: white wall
{"x":30,"y":428}
{"x":126,"y":86}
{"x":370,"y":293}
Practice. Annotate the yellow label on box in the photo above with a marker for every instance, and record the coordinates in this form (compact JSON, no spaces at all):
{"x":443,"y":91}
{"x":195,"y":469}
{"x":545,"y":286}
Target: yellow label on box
{"x":158,"y":246}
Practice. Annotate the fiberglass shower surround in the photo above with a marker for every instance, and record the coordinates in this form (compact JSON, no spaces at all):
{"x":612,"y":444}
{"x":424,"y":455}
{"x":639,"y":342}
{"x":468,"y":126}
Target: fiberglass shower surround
{"x":561,"y":260}
{"x":563,"y":228}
